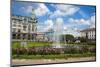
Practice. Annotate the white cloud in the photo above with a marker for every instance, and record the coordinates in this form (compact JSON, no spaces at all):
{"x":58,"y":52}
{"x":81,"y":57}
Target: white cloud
{"x":72,"y":31}
{"x":27,"y":9}
{"x":71,"y":20}
{"x":49,"y":24}
{"x":83,"y":14}
{"x":79,"y":21}
{"x":89,"y":22}
{"x":57,"y":13}
{"x":93,"y":21}
{"x":41,"y":10}
{"x":71,"y":28}
{"x":40,"y":28}
{"x":62,"y":10}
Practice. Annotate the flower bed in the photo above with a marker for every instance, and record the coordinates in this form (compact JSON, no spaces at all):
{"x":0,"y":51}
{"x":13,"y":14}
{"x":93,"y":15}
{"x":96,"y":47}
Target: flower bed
{"x":49,"y":50}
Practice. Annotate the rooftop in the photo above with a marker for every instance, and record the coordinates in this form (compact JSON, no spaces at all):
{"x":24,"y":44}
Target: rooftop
{"x":18,"y":17}
{"x":89,"y":29}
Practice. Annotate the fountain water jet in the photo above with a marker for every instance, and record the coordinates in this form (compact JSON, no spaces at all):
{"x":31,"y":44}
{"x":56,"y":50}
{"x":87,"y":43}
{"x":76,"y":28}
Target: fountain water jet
{"x":58,"y":28}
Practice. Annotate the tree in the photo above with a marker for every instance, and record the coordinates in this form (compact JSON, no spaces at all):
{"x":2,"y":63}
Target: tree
{"x":82,"y":39}
{"x":68,"y":37}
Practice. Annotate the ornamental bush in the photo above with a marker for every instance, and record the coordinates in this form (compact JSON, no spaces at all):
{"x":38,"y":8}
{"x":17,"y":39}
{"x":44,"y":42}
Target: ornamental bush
{"x":70,"y":49}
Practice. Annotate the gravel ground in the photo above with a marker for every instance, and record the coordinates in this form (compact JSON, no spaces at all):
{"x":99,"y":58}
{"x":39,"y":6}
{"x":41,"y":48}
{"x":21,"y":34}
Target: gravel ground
{"x":44,"y":61}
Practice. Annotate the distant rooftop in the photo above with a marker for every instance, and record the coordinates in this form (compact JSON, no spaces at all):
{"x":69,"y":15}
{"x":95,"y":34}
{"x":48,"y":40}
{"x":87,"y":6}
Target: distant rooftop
{"x":89,"y":29}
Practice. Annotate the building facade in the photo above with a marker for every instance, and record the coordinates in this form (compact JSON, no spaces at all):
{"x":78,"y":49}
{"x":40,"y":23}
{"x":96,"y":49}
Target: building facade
{"x":89,"y":33}
{"x":23,"y":28}
{"x":41,"y":36}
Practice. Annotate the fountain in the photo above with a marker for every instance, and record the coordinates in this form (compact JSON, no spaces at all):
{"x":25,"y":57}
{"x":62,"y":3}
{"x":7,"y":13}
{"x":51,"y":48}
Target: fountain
{"x":58,"y":28}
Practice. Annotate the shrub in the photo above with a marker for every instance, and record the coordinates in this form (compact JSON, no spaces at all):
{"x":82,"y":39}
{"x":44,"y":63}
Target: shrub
{"x":92,"y":49}
{"x":91,"y":43}
{"x":69,"y":49}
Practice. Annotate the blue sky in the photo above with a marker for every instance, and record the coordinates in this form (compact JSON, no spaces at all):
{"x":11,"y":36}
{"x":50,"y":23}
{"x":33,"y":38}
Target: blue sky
{"x":73,"y":17}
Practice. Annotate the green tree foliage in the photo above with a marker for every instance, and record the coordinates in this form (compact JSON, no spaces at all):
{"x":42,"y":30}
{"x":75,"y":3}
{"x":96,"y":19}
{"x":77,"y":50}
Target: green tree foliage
{"x":82,"y":39}
{"x":68,"y":37}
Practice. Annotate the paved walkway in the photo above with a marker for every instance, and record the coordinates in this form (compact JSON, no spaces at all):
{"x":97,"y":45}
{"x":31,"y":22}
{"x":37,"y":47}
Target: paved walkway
{"x":43,"y":61}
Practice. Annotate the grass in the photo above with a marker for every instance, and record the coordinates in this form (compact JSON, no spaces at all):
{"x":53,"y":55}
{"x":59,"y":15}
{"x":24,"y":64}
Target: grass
{"x":31,"y":44}
{"x":60,"y":56}
{"x":17,"y":44}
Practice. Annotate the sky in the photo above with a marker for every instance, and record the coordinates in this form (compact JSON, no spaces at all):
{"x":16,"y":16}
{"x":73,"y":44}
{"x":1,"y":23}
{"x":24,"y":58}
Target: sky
{"x":70,"y":18}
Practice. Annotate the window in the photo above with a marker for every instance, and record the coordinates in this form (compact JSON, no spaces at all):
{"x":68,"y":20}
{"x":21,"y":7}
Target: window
{"x":19,"y":30}
{"x":28,"y":36}
{"x":14,"y":25}
{"x":19,"y":25}
{"x":24,"y":36}
{"x":13,"y":29}
{"x":24,"y":27}
{"x":32,"y":27}
{"x":29,"y":27}
{"x":13,"y":36}
{"x":14,"y":21}
{"x":18,"y":36}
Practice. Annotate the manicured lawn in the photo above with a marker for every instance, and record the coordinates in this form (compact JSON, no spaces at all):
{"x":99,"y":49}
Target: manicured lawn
{"x":30,"y":44}
{"x":60,"y":56}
